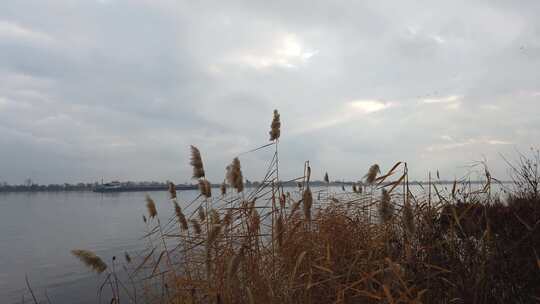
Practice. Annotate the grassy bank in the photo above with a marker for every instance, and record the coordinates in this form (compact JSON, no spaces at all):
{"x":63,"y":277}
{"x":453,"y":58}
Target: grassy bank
{"x":374,"y":242}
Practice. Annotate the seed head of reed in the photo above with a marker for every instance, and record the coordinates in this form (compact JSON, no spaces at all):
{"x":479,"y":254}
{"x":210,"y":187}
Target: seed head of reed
{"x":354,"y":188}
{"x":223,"y":188}
{"x":255,"y":220}
{"x":90,"y":259}
{"x":227,"y":219}
{"x":196,"y":163}
{"x":280,"y":230}
{"x":282,"y":200}
{"x":386,"y":208}
{"x":234,"y":175}
{"x":172,"y":190}
{"x":408,"y":218}
{"x":372,"y":173}
{"x":360,"y":187}
{"x":214,"y":234}
{"x":205,"y":188}
{"x":144,"y":218}
{"x":275,"y":127}
{"x":307,"y":199}
{"x":214,"y":217}
{"x":196,"y":226}
{"x":181,"y":217}
{"x":201,"y":214}
{"x":326,"y":179}
{"x":151,"y":206}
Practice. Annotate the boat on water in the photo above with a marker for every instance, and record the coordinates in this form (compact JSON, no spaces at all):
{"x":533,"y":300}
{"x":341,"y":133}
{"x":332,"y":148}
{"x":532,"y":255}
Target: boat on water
{"x":116,"y":186}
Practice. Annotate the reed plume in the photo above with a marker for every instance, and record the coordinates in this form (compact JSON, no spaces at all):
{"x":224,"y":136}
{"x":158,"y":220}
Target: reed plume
{"x":196,"y":226}
{"x":181,"y":217}
{"x":307,"y":199}
{"x":201,"y":214}
{"x":205,"y":188}
{"x":227,"y":219}
{"x":386,"y":208}
{"x":234,"y":175}
{"x":214,"y":217}
{"x":275,"y":127}
{"x":326,"y":179}
{"x":280,"y":230}
{"x":151,"y":206}
{"x":223,"y":188}
{"x":172,"y":190}
{"x":372,"y":173}
{"x":214,"y":233}
{"x":144,"y":218}
{"x":90,"y":259}
{"x":255,"y":220}
{"x":196,"y":163}
{"x":354,"y":188}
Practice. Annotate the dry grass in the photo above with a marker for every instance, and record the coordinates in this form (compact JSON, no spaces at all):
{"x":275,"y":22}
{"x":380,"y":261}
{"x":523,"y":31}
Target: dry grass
{"x":378,"y":243}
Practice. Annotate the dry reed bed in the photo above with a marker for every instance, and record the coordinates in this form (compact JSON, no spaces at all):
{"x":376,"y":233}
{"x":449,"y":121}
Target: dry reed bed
{"x":374,"y":243}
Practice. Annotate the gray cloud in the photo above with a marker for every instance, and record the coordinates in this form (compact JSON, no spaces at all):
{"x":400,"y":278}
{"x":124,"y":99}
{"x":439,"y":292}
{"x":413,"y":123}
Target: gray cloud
{"x":119,"y":89}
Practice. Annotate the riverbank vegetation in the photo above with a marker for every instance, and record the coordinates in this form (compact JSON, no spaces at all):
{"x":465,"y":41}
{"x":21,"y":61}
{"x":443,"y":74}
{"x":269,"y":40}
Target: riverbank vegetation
{"x":371,"y":242}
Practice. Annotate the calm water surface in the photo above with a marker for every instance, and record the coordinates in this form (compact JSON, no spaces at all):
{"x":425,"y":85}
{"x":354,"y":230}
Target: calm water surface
{"x":38,"y":231}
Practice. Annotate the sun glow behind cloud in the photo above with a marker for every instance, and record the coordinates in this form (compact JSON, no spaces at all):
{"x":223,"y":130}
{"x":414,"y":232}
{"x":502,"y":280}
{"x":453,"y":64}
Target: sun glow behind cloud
{"x":287,"y":52}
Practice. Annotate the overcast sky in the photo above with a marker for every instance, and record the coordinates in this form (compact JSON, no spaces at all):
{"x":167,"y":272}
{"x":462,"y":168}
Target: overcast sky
{"x":119,"y":89}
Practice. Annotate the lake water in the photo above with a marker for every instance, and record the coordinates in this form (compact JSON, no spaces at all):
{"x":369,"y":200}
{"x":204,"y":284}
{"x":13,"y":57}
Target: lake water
{"x":38,"y":231}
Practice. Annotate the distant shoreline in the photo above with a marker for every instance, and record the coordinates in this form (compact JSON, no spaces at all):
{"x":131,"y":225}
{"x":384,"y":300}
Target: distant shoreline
{"x":143,"y":187}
